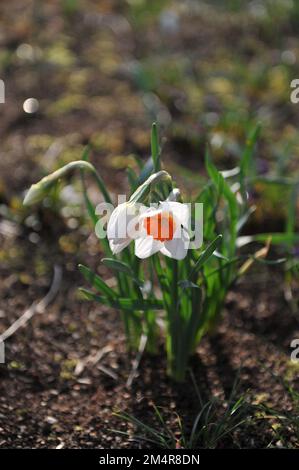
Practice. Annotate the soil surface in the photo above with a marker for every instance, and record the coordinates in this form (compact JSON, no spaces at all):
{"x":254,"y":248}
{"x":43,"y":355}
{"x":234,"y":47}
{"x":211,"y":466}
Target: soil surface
{"x":50,"y":396}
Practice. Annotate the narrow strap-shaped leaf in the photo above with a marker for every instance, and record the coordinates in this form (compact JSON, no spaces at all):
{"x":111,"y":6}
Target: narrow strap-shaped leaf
{"x":117,"y":265}
{"x":207,"y":253}
{"x":121,"y":267}
{"x":132,"y":178}
{"x":155,"y":147}
{"x":225,"y":190}
{"x":161,"y":273}
{"x":213,"y":173}
{"x":292,"y":209}
{"x":246,"y":158}
{"x":97,"y":282}
{"x":246,"y":164}
{"x":146,"y":171}
{"x":86,"y":152}
{"x":270,"y":262}
{"x":278,"y":238}
{"x":124,"y":303}
{"x":220,"y":255}
{"x":272,"y":180}
{"x":242,"y":221}
{"x":186,"y":284}
{"x":89,"y":205}
{"x":233,"y":213}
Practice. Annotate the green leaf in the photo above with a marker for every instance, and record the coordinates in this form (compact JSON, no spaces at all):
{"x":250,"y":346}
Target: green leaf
{"x":155,"y":147}
{"x":164,"y":281}
{"x":97,"y":282}
{"x":207,"y":253}
{"x":186,"y":284}
{"x":139,"y":161}
{"x":213,"y":173}
{"x":224,"y":189}
{"x":117,"y":265}
{"x":122,"y":267}
{"x":271,"y":262}
{"x":89,"y":205}
{"x":246,"y":158}
{"x":124,"y":303}
{"x":246,"y":165}
{"x":272,"y":180}
{"x":276,"y":238}
{"x":220,"y":255}
{"x":132,"y":177}
{"x":86,"y":152}
{"x":292,"y":209}
{"x":146,"y":171}
{"x":242,"y":221}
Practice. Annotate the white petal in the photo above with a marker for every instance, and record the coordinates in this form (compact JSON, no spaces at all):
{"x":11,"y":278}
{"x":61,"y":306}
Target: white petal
{"x":177,"y":247}
{"x":179,"y":210}
{"x":147,"y":246}
{"x":135,"y":225}
{"x":117,"y":228}
{"x":117,"y":246}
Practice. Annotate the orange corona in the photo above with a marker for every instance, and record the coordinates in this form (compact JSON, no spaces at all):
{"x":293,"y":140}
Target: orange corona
{"x":160,"y":226}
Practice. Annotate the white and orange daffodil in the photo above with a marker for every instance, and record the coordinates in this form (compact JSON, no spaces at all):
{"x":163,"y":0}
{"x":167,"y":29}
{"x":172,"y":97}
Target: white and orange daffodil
{"x":163,"y":228}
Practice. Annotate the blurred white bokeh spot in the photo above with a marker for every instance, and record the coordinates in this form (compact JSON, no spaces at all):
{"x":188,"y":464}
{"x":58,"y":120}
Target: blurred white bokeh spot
{"x":31,"y":105}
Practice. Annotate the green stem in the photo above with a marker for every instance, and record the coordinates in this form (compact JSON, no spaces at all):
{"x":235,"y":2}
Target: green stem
{"x":173,"y":322}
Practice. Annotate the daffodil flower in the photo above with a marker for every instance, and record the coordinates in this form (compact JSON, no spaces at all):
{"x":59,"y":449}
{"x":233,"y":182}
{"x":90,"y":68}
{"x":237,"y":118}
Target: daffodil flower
{"x":163,"y":228}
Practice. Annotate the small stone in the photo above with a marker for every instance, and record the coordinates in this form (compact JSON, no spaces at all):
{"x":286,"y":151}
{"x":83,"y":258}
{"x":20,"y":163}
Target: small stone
{"x":50,"y":420}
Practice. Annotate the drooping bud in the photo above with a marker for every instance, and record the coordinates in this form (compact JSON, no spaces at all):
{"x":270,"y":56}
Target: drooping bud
{"x":39,"y":190}
{"x":143,"y":191}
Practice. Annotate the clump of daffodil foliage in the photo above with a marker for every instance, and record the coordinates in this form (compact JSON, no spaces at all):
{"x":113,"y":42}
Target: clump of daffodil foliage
{"x":173,"y":262}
